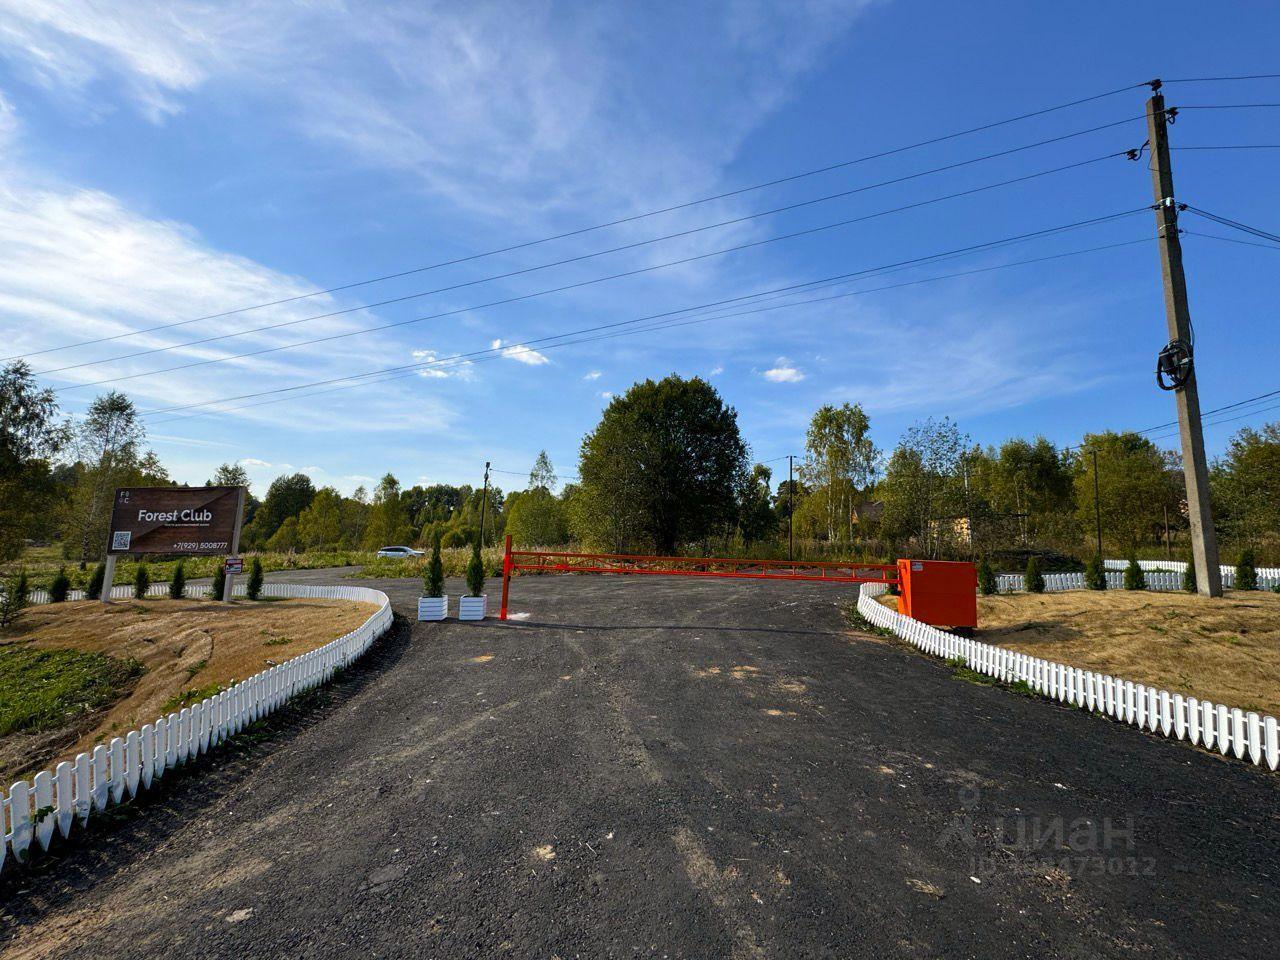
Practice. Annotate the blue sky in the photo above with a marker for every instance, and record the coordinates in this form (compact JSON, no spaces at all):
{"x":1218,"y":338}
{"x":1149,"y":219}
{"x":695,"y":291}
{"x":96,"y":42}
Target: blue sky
{"x":167,"y":161}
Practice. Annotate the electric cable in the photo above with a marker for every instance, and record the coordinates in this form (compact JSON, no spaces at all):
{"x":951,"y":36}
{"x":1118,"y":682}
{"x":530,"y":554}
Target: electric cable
{"x":590,"y":282}
{"x":600,"y":226}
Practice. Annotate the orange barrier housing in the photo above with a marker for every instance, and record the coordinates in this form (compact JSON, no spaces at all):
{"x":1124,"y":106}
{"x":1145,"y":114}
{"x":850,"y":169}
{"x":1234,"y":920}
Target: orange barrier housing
{"x":940,"y":593}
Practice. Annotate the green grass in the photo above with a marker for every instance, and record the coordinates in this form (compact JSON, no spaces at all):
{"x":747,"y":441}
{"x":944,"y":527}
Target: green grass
{"x":45,"y":689}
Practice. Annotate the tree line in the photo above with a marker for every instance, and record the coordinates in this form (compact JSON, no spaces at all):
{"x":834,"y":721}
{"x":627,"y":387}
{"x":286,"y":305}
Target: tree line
{"x":667,"y":470}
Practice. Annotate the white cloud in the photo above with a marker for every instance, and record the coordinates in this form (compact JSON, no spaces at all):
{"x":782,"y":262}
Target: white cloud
{"x":521,"y":354}
{"x":592,"y":375}
{"x":784,"y":371}
{"x":252,"y":462}
{"x":606,"y":395}
{"x":716,"y":371}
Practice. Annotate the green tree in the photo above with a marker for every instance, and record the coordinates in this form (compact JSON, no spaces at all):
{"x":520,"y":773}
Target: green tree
{"x":840,"y":463}
{"x":986,"y":578}
{"x":253,"y":587}
{"x":109,"y":449}
{"x":141,"y":582}
{"x":219,"y":584}
{"x":97,"y":582}
{"x":230,"y":475}
{"x":388,"y":523}
{"x":60,"y":587}
{"x":543,"y":474}
{"x":664,"y":467}
{"x":1246,"y":484}
{"x":756,"y":519}
{"x":923,"y":487}
{"x":320,"y":524}
{"x":1189,"y":576}
{"x":1033,"y":579}
{"x":1095,"y":574}
{"x":287,"y":497}
{"x":178,"y":582}
{"x":1134,"y":577}
{"x":30,"y":437}
{"x":1246,"y":572}
{"x":13,"y":597}
{"x":285,"y":539}
{"x":475,"y":572}
{"x":1135,"y":486}
{"x":537,"y":518}
{"x":433,"y":579}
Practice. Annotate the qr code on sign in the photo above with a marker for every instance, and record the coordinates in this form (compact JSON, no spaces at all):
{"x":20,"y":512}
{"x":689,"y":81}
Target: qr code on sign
{"x":120,"y":539}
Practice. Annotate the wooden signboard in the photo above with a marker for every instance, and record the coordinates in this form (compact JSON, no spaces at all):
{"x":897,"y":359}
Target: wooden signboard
{"x":198,"y":521}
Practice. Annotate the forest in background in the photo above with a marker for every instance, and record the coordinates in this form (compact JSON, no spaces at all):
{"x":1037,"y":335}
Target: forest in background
{"x":667,"y":470}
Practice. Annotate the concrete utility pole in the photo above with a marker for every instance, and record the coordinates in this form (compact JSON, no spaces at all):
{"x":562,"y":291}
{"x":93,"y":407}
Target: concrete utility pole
{"x":1204,"y":542}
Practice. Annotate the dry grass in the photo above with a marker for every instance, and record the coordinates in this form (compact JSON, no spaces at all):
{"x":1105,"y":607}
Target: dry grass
{"x":188,"y":649}
{"x":1225,"y":650}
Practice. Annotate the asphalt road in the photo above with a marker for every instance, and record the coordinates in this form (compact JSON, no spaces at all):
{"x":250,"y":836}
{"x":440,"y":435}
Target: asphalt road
{"x":654,"y":767}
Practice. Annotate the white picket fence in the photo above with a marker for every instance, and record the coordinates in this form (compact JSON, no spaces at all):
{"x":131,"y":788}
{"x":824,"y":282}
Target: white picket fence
{"x":1166,"y":581}
{"x":1205,"y":724}
{"x":32,"y":811}
{"x":1178,"y":566}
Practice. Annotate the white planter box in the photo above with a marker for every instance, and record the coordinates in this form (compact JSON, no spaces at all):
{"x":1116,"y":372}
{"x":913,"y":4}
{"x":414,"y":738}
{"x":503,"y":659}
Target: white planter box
{"x":433,"y":608}
{"x":472,"y":608}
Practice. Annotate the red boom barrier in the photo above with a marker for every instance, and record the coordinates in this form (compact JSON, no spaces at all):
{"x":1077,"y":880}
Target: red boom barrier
{"x":548,"y":561}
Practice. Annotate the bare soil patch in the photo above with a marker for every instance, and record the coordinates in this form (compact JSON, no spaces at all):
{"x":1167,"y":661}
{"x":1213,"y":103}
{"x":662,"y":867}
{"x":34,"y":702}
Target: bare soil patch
{"x":1226,"y":650}
{"x":179,"y":652}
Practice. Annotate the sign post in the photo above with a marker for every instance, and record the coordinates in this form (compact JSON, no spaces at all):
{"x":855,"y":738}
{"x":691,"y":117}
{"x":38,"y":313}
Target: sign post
{"x":197,"y":521}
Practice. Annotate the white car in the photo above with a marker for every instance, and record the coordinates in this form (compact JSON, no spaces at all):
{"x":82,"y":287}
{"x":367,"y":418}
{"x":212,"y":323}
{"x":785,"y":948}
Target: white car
{"x":399,"y":552}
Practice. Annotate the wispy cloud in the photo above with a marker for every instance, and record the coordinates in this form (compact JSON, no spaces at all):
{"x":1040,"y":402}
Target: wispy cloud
{"x":592,"y":375}
{"x":783,"y":371}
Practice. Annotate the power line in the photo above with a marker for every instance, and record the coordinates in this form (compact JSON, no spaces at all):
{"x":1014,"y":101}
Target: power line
{"x":1247,"y":243}
{"x":1234,"y":224}
{"x":582,"y":257}
{"x":1233,"y":146}
{"x":495,"y":353}
{"x":584,"y":283}
{"x":1255,"y":76}
{"x":1229,"y":106}
{"x":601,"y":226}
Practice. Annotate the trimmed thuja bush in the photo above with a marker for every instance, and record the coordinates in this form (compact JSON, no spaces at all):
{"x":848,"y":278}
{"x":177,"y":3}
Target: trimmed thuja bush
{"x":475,"y":573}
{"x":96,"y":582}
{"x":141,"y":581}
{"x":60,"y":587}
{"x":13,"y":597}
{"x":1033,"y":579}
{"x":1189,"y":576}
{"x":433,"y":579}
{"x":178,"y":582}
{"x":219,"y":582}
{"x":1134,"y":578}
{"x":986,"y":578}
{"x":1095,"y":575}
{"x":253,"y":588}
{"x":1246,"y":572}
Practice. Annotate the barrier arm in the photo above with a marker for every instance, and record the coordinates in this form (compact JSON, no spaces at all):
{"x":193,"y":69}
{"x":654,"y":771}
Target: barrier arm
{"x":506,"y":577}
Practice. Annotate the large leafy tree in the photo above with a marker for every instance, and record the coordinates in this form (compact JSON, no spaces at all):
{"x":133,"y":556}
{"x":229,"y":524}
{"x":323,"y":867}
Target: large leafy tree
{"x":756,"y":519}
{"x":320,"y":524}
{"x":536,"y":518}
{"x":1135,"y":485}
{"x":840,"y":463}
{"x":388,"y":518}
{"x":923,"y":486}
{"x":287,"y":497}
{"x":109,"y":443}
{"x":664,"y":467}
{"x":31,"y":436}
{"x":1246,"y":484}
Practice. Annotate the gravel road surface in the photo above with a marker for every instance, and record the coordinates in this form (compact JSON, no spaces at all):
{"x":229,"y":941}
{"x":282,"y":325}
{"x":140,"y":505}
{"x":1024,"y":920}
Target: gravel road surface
{"x":661,"y":767}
